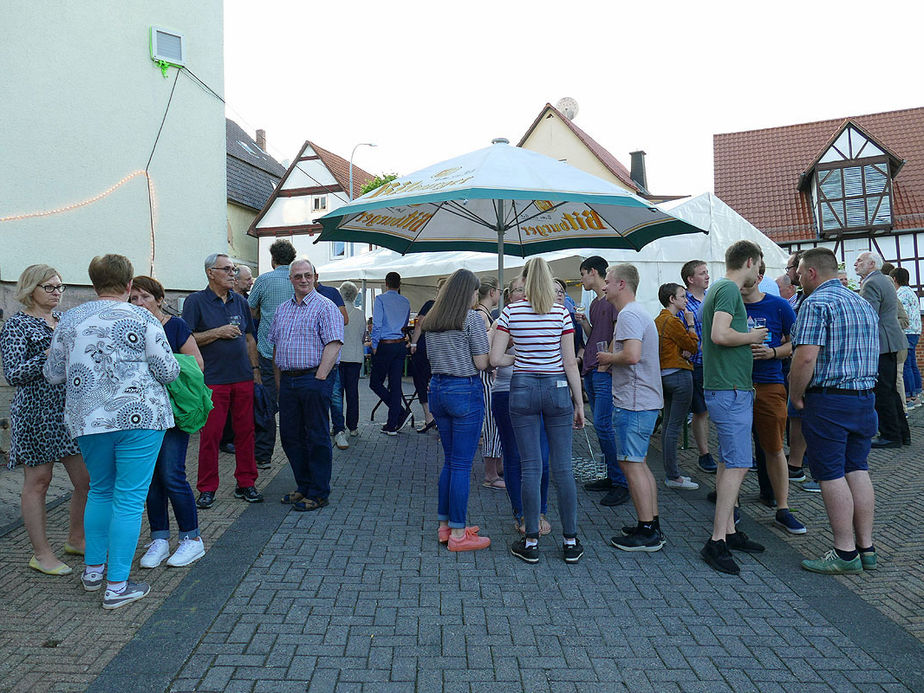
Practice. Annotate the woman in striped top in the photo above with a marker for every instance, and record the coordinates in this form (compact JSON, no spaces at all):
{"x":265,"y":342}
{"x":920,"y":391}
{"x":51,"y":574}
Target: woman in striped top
{"x":457,"y":346}
{"x":545,"y":390}
{"x":488,"y":297}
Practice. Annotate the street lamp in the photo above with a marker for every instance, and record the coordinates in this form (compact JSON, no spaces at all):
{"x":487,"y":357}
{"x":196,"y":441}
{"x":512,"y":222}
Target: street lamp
{"x":361,"y":144}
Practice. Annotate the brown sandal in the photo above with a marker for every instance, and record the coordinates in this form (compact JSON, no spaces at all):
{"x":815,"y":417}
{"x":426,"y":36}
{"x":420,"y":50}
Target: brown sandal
{"x":291,"y":498}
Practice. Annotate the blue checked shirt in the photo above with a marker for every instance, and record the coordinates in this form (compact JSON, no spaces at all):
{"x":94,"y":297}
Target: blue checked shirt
{"x":847,"y":330}
{"x":269,"y":290}
{"x":696,"y":307}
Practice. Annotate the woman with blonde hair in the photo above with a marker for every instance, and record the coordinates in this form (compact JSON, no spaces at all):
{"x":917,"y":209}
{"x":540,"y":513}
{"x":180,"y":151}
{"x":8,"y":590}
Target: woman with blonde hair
{"x":545,"y":390}
{"x":37,"y":416}
{"x":457,"y":346}
{"x":488,"y":298}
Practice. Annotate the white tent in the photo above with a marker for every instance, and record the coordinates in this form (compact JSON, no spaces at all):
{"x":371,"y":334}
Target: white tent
{"x":657,"y":263}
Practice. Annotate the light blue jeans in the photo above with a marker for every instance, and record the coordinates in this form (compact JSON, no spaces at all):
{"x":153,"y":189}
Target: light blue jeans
{"x":544,"y":400}
{"x":121,"y":464}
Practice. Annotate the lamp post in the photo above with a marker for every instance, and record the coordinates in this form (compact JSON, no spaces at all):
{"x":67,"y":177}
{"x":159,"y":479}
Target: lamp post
{"x":361,"y":144}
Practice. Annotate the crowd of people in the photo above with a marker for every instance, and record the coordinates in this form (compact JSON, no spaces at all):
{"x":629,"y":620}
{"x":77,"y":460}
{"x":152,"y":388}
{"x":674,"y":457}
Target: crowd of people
{"x":113,"y":388}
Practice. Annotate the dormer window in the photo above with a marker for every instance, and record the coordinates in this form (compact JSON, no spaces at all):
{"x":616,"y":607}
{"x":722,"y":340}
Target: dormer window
{"x":851,"y":187}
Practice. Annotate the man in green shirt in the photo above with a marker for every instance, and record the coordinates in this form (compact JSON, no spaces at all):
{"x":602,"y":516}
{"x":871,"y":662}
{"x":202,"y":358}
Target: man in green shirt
{"x":729,"y":393}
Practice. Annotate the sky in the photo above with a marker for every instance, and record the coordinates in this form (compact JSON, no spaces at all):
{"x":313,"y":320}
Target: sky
{"x":428,"y":81}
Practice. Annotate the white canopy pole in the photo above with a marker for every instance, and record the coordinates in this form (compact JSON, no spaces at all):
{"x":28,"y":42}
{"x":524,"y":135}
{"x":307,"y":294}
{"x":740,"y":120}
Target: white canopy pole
{"x":500,"y":254}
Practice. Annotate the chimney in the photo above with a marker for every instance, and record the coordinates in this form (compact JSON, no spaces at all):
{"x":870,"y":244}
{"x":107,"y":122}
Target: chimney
{"x":261,"y":143}
{"x":637,"y":172}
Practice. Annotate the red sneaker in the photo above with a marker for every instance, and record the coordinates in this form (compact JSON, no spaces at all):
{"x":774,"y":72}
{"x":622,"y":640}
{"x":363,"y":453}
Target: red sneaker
{"x":470,"y":541}
{"x":443,"y":532}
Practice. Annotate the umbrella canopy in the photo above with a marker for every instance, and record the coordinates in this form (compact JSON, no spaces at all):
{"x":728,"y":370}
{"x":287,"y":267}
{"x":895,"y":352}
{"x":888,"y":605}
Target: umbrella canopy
{"x":503,"y":198}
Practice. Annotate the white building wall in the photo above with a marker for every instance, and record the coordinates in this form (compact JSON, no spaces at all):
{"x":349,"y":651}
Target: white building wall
{"x":81,"y":107}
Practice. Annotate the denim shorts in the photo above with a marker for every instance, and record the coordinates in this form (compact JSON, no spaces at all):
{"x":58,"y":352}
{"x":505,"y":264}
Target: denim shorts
{"x":633,"y":431}
{"x":838,"y":430}
{"x":732,"y":412}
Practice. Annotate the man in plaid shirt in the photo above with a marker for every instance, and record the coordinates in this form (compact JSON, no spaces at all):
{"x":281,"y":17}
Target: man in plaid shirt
{"x":306,"y":334}
{"x":831,"y":381}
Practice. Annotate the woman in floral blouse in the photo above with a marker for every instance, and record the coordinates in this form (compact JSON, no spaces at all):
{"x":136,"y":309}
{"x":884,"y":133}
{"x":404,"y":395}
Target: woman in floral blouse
{"x":115,"y":360}
{"x":37,"y":415}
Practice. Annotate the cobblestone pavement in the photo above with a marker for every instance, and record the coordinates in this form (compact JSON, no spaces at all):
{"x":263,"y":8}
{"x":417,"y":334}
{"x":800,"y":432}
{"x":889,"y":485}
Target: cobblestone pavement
{"x":359,"y":596}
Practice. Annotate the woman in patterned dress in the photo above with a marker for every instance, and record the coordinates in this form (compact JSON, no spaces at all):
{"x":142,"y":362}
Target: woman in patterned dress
{"x":37,"y":416}
{"x":115,"y":359}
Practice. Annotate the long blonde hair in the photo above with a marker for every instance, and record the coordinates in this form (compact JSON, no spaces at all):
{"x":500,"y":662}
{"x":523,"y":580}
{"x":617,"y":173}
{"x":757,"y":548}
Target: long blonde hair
{"x":540,"y":287}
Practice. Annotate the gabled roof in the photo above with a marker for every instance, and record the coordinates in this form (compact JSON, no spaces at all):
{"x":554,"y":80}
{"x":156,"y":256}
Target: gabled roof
{"x":607,"y":159}
{"x":252,"y":173}
{"x":314,"y":171}
{"x":757,"y":172}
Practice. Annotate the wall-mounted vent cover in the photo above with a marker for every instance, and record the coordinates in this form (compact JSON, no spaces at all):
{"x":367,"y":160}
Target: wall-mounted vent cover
{"x":167,"y":46}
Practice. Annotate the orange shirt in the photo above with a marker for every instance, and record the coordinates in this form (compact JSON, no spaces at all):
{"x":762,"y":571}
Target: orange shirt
{"x":674,"y":339}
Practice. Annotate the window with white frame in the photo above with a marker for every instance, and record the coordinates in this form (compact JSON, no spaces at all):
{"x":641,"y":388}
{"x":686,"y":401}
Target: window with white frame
{"x":320,"y":203}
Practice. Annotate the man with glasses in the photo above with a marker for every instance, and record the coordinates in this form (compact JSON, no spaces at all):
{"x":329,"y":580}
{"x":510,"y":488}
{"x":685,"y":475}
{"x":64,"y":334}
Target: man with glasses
{"x":222,"y":326}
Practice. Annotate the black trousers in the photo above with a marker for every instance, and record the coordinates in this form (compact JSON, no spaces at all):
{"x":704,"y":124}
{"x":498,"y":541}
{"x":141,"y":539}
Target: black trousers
{"x":892,"y":422}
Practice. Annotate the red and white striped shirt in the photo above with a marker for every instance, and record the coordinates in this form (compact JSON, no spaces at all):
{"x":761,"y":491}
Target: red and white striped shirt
{"x":537,"y":336}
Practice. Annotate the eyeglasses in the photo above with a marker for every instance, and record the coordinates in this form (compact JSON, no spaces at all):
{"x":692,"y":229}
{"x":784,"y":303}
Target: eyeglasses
{"x":306,"y":275}
{"x":51,"y":288}
{"x":228,"y":269}
{"x":791,"y":267}
{"x":518,"y":290}
{"x":560,"y":292}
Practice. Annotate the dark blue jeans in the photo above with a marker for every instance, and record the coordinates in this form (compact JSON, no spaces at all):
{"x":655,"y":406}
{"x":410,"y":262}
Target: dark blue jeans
{"x":264,"y":439}
{"x":169,"y":484}
{"x":349,"y":385}
{"x":599,"y":387}
{"x":304,"y":429}
{"x":458,"y":407}
{"x":388,"y":362}
{"x":544,"y":401}
{"x":911,"y":372}
{"x":678,"y":393}
{"x":336,"y":401}
{"x":500,"y":407}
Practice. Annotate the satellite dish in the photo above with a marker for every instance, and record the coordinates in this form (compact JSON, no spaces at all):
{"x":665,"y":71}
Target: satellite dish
{"x":568,"y":107}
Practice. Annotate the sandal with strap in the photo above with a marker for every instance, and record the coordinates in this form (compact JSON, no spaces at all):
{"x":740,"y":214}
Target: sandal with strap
{"x":496,"y":484}
{"x":292,"y":498}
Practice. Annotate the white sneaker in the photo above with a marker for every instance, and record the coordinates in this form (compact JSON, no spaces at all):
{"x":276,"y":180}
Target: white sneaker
{"x":341,"y":441}
{"x":157,"y":551}
{"x":189,"y":551}
{"x":354,"y":433}
{"x":684,"y":483}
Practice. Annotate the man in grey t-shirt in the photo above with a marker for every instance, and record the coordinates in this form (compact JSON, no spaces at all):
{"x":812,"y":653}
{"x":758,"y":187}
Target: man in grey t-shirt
{"x":637,"y":399}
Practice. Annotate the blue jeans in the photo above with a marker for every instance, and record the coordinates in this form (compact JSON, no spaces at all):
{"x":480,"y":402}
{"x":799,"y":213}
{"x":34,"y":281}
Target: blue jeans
{"x":544,"y":401}
{"x":599,"y":387}
{"x":264,"y":439}
{"x":500,"y":407}
{"x":304,"y":429}
{"x":120,"y":464}
{"x":349,"y":385}
{"x":911,"y":372}
{"x":388,"y":362}
{"x":169,"y":483}
{"x":678,"y":393}
{"x":336,"y":401}
{"x":458,"y":407}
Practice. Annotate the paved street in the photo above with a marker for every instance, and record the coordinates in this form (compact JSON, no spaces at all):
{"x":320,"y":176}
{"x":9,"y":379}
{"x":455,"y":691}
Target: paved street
{"x":360,"y":597}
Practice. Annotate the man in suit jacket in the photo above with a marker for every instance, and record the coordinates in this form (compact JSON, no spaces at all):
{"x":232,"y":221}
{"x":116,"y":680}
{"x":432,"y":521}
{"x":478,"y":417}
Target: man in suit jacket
{"x":878,"y":289}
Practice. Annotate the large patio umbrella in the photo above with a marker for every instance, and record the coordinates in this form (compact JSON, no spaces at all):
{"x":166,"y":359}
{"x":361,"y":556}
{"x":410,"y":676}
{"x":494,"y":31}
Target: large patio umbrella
{"x":500,"y":199}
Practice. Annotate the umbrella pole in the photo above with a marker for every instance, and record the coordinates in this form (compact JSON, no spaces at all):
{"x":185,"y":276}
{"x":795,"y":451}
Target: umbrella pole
{"x":500,"y":254}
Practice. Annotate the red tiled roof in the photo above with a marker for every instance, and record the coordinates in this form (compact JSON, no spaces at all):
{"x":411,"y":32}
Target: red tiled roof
{"x":340,"y":169}
{"x":607,"y":159}
{"x":757,"y":172}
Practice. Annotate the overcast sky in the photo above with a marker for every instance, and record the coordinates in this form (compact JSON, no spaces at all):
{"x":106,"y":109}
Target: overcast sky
{"x":427,"y":81}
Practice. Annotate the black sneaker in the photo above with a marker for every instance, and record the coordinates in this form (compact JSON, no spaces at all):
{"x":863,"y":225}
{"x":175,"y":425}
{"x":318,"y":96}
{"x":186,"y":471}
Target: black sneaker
{"x":628,"y":530}
{"x":739,"y":542}
{"x":264,"y":464}
{"x":227,"y":447}
{"x":616,"y":496}
{"x":572,"y":552}
{"x":530,"y":554}
{"x":639,"y":541}
{"x":717,"y":555}
{"x":796,"y":474}
{"x":249,"y":494}
{"x":405,"y":419}
{"x":711,"y":496}
{"x":603,"y":484}
{"x":707,"y":464}
{"x":206,"y":498}
{"x":769,"y":502}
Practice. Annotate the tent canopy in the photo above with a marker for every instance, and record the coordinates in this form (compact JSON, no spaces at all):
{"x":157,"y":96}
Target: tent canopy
{"x":657,"y":263}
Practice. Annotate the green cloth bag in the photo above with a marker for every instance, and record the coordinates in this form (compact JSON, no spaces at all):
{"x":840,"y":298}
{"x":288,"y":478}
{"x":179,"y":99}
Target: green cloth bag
{"x":190,"y":397}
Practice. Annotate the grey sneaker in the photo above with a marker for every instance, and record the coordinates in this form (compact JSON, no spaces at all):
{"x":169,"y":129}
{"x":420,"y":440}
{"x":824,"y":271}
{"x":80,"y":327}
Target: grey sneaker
{"x":132,"y":593}
{"x":91,"y":580}
{"x":811,"y":486}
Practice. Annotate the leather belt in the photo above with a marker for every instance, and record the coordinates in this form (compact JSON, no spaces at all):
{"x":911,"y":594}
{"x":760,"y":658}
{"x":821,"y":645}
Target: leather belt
{"x":837,"y":391}
{"x":391,"y":341}
{"x":298,"y":373}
